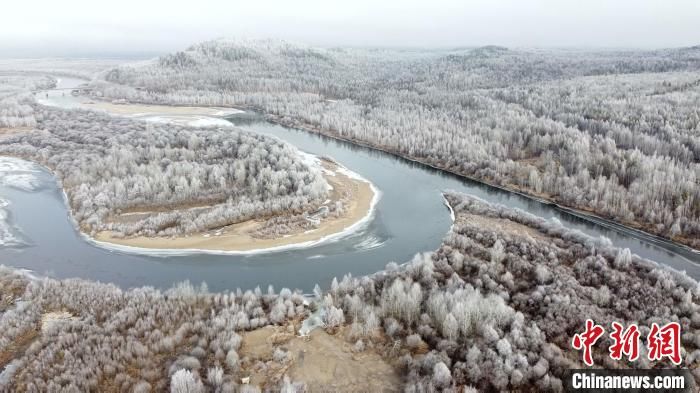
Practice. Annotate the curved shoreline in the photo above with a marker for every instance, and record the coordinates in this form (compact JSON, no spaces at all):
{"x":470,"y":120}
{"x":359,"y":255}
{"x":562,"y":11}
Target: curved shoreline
{"x":656,"y":239}
{"x":635,"y":229}
{"x":186,"y":114}
{"x":164,"y":252}
{"x":123,"y":246}
{"x":575,"y":212}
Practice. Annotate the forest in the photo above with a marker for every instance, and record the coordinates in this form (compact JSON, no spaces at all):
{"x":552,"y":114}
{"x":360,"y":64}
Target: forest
{"x":15,"y":99}
{"x":493,"y":309}
{"x":614,"y":133}
{"x":180,"y":180}
{"x":20,"y":77}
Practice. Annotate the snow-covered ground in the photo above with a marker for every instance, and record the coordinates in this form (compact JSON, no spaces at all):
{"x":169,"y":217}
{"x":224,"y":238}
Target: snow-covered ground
{"x":181,"y":115}
{"x":186,"y":120}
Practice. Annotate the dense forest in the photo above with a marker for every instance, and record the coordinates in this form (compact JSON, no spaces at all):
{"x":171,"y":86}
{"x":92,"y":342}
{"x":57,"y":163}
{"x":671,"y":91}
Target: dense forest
{"x":493,"y":309}
{"x":179,"y":179}
{"x":20,"y":77}
{"x":15,"y":99}
{"x":616,"y":133}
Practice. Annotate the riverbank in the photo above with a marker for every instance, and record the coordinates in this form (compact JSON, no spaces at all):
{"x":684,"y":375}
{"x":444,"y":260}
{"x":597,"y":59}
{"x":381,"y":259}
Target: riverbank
{"x":192,"y":116}
{"x":586,"y":214}
{"x":357,"y":195}
{"x":519,"y":256}
{"x":152,"y":109}
{"x":413,"y":219}
{"x":639,"y":229}
{"x":13,"y":130}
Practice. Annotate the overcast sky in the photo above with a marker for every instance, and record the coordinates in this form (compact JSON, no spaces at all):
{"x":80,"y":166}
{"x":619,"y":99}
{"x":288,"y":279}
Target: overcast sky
{"x":52,"y":27}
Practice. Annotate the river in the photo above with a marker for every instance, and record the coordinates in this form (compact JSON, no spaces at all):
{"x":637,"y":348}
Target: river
{"x":409,"y":218}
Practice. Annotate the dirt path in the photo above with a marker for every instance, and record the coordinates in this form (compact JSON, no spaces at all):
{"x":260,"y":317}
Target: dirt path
{"x":13,"y":130}
{"x":326,"y":363}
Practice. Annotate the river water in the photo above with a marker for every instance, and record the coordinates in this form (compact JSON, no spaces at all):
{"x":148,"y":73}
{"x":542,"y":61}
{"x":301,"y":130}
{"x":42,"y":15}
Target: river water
{"x":409,"y":218}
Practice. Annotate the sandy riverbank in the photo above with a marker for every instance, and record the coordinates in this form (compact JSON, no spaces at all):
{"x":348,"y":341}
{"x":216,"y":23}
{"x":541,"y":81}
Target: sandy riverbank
{"x":192,"y":116}
{"x":143,"y":109}
{"x":640,"y":229}
{"x":13,"y":130}
{"x":359,"y":197}
{"x":237,"y":238}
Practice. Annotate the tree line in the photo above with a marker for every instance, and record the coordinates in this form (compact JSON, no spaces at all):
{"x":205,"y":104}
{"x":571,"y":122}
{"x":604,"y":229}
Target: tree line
{"x":614,"y":132}
{"x":15,"y":98}
{"x":183,"y":179}
{"x":492,"y":309}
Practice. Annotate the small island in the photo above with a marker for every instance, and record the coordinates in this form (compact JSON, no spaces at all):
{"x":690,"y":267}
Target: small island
{"x":356,"y":195}
{"x":158,"y":178}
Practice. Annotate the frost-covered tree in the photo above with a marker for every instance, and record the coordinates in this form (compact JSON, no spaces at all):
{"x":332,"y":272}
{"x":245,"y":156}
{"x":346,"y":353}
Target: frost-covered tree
{"x":136,"y":178}
{"x":464,"y":319}
{"x":612,"y":132}
{"x":441,"y":375}
{"x":184,"y":382}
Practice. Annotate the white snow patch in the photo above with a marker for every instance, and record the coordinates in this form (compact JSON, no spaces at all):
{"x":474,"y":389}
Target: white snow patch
{"x":28,"y":273}
{"x":20,"y":181}
{"x":227,"y":112}
{"x":370,"y":243}
{"x":8,"y":233}
{"x":347,"y":172}
{"x":311,"y":160}
{"x":11,"y":164}
{"x":184,"y":120}
{"x":51,"y":319}
{"x":18,"y":174}
{"x":314,"y":321}
{"x":452,"y":212}
{"x":9,"y":371}
{"x":209,"y":122}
